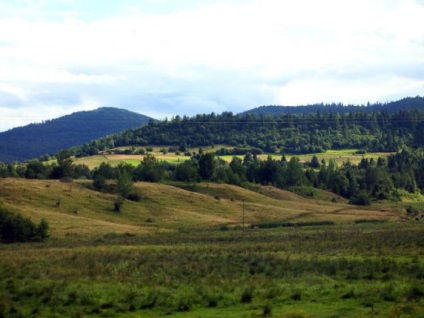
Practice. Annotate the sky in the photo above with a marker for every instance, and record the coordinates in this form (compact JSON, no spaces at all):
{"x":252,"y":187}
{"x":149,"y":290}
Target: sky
{"x":166,"y":57}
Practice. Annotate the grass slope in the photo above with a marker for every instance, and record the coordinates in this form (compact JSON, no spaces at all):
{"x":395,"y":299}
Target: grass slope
{"x":72,"y":209}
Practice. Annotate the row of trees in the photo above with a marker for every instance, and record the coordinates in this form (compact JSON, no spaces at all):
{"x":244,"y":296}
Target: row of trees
{"x":383,"y":178}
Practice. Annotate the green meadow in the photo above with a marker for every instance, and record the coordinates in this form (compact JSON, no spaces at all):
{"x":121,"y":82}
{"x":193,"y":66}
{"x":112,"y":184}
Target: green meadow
{"x":182,"y":252}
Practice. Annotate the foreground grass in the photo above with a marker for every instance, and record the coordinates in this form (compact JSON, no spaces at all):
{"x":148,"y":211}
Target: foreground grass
{"x":180,"y":251}
{"x":369,"y":269}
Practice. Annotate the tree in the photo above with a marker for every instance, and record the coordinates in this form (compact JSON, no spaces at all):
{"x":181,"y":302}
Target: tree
{"x":294,"y":175}
{"x":315,"y":163}
{"x":150,"y":169}
{"x":206,"y":165}
{"x":187,"y":171}
{"x":238,"y":169}
{"x":43,"y":229}
{"x":65,"y":165}
{"x":37,"y":170}
{"x":124,"y":184}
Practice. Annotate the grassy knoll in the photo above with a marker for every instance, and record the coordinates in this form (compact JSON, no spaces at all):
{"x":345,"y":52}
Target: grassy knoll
{"x":180,"y":251}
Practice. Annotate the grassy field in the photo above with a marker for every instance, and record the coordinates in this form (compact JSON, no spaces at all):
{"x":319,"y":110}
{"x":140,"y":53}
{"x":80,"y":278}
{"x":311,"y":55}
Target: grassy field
{"x":181,"y":251}
{"x":339,"y":156}
{"x":365,"y":270}
{"x":73,"y":209}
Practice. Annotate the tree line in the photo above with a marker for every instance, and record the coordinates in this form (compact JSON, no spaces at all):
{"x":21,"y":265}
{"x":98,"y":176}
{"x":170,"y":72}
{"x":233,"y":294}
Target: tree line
{"x":372,"y":179}
{"x":277,"y":134}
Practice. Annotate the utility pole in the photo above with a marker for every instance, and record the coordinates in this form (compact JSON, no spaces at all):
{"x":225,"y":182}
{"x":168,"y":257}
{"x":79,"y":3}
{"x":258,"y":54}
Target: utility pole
{"x":243,"y":215}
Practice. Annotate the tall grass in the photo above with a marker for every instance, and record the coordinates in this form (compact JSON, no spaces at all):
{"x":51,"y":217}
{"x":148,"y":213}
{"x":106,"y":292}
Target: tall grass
{"x":358,"y":270}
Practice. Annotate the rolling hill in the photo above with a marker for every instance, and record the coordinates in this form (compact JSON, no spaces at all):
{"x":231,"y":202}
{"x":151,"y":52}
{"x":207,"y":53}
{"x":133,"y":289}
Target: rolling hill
{"x":73,"y":209}
{"x":34,"y":140}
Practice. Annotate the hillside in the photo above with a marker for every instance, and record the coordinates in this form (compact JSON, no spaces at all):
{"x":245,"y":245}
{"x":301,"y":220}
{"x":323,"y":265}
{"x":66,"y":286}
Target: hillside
{"x":310,"y":132}
{"x":73,"y":209}
{"x":409,"y":103}
{"x":34,"y":140}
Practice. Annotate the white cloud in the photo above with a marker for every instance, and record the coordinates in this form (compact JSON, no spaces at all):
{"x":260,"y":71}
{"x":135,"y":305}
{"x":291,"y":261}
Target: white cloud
{"x":211,"y":56}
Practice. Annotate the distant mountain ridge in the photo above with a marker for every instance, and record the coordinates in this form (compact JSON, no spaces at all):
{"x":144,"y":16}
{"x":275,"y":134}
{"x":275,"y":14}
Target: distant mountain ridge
{"x":408,"y":103}
{"x":34,"y":140}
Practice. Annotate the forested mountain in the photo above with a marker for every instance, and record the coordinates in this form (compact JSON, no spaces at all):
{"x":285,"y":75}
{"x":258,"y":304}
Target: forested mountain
{"x":49,"y":137}
{"x":285,"y":133}
{"x":409,"y":103}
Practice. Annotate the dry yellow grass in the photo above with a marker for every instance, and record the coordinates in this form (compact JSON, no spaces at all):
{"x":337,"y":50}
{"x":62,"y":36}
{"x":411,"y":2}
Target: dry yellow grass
{"x":72,"y":209}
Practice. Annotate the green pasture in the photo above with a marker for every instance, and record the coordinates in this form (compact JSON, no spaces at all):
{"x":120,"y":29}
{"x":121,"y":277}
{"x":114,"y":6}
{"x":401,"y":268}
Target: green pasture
{"x":363,"y":270}
{"x":181,"y":251}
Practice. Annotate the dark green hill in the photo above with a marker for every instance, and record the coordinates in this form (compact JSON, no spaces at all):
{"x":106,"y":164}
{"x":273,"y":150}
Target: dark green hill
{"x":374,"y":129}
{"x":34,"y":140}
{"x":409,"y":103}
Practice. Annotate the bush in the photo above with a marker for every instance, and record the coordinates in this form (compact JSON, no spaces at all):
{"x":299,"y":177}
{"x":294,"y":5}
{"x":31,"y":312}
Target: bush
{"x":291,"y":224}
{"x":267,"y":311}
{"x":246,"y":296}
{"x":361,"y":198}
{"x":118,"y":204}
{"x":99,"y":183}
{"x":360,"y":152}
{"x":134,"y":196}
{"x":15,"y":228}
{"x":415,"y":293}
{"x":297,"y":295}
{"x":360,"y":221}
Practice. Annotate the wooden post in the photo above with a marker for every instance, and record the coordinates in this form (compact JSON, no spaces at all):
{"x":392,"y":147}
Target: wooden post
{"x":243,"y":215}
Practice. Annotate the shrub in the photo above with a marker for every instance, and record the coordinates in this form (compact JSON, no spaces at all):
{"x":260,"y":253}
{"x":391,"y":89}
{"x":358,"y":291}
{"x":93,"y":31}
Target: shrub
{"x":118,"y":204}
{"x":360,"y":152}
{"x":415,"y":293}
{"x":267,"y":310}
{"x":99,"y":183}
{"x":360,"y":221}
{"x":360,"y":198}
{"x":212,"y":301}
{"x":291,"y":224}
{"x":297,"y":295}
{"x":134,"y":196}
{"x":246,"y":296}
{"x":15,"y":228}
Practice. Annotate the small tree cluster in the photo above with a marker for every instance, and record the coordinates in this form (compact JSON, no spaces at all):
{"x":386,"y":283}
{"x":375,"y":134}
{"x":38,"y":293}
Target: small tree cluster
{"x":15,"y":228}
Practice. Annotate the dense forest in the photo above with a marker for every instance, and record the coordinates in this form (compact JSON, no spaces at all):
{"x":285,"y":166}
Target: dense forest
{"x":408,"y":103}
{"x":287,"y":133}
{"x":32,"y":141}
